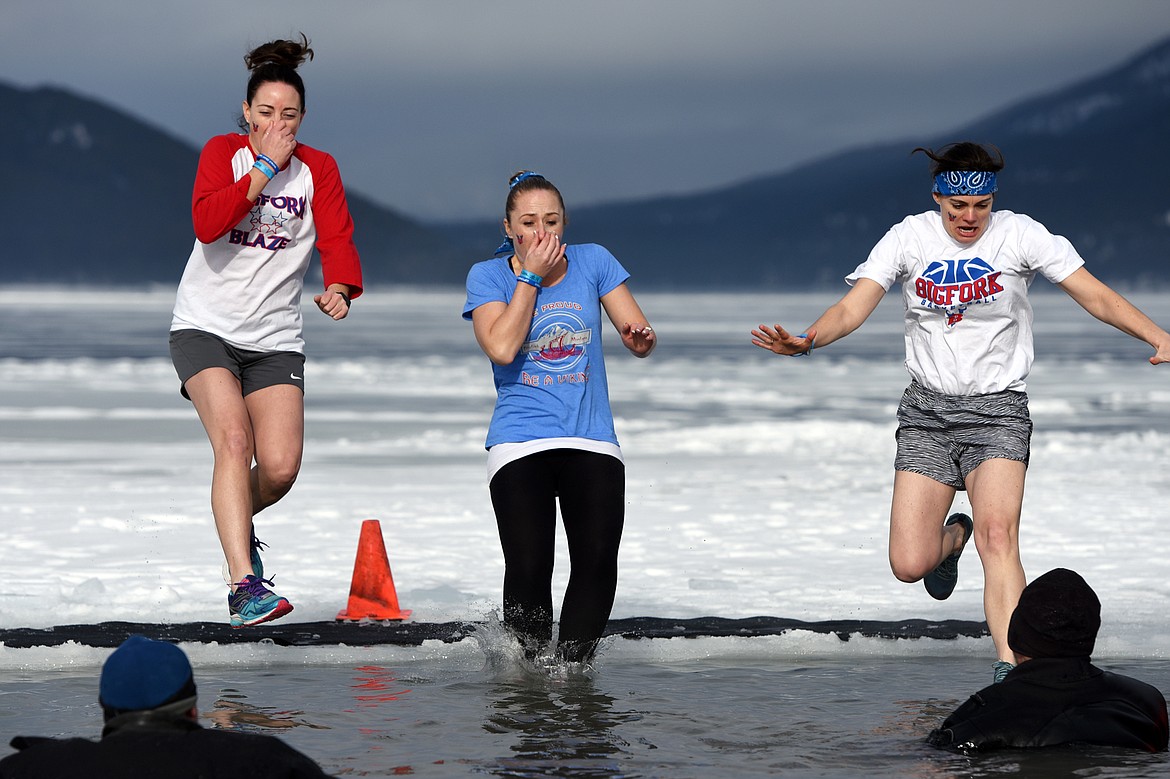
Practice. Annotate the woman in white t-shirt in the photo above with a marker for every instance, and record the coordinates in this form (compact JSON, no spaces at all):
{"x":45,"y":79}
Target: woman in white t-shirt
{"x":262,"y":203}
{"x":963,"y":422}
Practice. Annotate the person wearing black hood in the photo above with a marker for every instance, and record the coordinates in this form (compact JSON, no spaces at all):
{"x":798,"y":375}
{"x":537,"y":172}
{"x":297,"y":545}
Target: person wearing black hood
{"x":147,"y":695}
{"x":1055,"y":695}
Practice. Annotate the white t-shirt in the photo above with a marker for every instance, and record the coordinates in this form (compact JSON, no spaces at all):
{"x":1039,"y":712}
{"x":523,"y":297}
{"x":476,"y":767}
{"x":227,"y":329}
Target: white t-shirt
{"x":968,"y":319}
{"x":245,"y":275}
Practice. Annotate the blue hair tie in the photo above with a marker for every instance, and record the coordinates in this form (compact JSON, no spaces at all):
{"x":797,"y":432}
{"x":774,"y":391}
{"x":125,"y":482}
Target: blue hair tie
{"x":507,"y":247}
{"x":965,"y":182}
{"x":528,"y":174}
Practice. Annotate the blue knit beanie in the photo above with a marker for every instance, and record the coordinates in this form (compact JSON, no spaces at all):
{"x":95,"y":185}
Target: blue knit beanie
{"x":143,"y":674}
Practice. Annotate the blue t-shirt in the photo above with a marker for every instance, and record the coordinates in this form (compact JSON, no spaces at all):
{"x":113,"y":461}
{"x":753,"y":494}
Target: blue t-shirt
{"x":556,"y":386}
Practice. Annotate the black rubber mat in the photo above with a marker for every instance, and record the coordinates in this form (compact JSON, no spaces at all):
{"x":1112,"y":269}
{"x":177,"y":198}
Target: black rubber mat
{"x":111,"y":634}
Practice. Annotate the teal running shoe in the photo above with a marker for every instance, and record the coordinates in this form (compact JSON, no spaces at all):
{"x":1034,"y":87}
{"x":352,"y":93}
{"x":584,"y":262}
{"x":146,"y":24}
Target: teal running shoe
{"x":253,"y":603}
{"x":257,"y":563}
{"x":1000,"y":669}
{"x":940,"y":582}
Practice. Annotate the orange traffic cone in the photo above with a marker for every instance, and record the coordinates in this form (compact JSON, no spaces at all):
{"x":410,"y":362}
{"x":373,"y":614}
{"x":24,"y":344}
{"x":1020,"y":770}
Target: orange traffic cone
{"x":371,"y":594}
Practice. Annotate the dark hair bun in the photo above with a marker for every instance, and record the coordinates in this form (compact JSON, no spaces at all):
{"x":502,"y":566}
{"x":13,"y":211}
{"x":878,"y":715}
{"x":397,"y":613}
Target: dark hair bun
{"x":289,"y":54}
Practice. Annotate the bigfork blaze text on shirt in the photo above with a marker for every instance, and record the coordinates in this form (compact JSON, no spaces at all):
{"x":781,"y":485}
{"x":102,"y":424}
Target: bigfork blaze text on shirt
{"x":267,"y":218}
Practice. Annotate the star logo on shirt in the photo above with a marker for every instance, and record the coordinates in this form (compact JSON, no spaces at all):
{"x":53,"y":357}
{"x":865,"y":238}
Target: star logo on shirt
{"x":267,"y":222}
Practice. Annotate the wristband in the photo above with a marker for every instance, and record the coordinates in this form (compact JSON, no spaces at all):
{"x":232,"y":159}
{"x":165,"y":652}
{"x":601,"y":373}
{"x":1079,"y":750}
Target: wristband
{"x":344,"y":297}
{"x":271,"y":162}
{"x":265,"y":168}
{"x":811,"y":345}
{"x":528,"y":277}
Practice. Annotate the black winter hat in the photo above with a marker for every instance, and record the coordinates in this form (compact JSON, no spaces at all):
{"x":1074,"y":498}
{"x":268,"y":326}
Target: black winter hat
{"x":1058,"y":616}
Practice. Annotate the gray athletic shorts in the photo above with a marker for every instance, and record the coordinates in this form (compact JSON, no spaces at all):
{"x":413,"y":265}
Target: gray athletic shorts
{"x":194,"y":350}
{"x":946,"y":437}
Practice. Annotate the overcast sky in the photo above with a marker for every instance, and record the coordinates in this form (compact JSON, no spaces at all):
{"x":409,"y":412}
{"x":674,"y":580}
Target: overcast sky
{"x":428,"y":106}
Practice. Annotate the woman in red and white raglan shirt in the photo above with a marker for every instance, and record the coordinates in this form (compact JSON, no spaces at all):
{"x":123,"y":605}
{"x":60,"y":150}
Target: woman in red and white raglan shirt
{"x":262,"y":202}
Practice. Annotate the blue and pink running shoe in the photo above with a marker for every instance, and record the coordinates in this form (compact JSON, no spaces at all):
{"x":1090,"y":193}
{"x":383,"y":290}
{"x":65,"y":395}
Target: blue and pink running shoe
{"x":253,"y":603}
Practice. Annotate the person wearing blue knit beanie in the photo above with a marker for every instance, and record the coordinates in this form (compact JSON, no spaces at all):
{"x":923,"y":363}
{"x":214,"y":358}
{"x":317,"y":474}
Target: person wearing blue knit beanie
{"x":148,"y":698}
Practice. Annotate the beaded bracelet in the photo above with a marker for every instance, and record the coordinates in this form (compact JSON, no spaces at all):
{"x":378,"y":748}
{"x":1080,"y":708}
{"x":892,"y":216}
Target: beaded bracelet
{"x":265,"y":168}
{"x":528,"y":277}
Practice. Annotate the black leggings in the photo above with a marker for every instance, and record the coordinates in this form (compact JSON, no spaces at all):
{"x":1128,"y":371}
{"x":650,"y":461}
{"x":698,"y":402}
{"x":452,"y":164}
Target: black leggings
{"x":592,"y":492}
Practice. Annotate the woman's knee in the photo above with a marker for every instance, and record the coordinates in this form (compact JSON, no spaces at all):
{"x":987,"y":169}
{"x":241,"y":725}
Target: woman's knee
{"x":527,"y":572}
{"x":908,"y":573}
{"x":233,"y":443}
{"x":598,"y":548}
{"x":280,"y":474}
{"x":910,"y":566}
{"x":996,"y":538}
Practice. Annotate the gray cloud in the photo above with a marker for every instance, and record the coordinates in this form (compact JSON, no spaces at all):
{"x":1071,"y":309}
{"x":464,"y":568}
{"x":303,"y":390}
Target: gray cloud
{"x":428,"y":106}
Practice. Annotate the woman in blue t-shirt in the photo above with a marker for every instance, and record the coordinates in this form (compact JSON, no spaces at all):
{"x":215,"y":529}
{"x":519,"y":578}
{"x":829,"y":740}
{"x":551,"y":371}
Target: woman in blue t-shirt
{"x":536,"y":310}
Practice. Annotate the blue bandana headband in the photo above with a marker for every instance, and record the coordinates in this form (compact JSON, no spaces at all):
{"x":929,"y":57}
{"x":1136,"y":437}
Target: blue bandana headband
{"x":965,"y":182}
{"x":506,"y":247}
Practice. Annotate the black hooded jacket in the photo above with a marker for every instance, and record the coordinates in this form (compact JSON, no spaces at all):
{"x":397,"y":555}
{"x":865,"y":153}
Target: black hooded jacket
{"x":1050,"y":701}
{"x":151,"y":745}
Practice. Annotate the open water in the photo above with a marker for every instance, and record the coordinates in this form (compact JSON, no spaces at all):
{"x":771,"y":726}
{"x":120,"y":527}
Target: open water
{"x":747,"y":707}
{"x":757,"y":486}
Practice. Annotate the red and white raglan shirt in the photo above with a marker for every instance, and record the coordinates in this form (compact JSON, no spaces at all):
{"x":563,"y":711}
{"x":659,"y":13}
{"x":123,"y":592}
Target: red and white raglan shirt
{"x":245,"y":275}
{"x":968,"y":320}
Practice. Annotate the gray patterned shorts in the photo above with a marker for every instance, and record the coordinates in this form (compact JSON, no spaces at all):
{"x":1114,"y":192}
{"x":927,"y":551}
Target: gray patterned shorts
{"x":945,"y":437}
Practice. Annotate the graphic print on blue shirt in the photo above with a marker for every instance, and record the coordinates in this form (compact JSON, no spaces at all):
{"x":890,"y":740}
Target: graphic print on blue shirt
{"x":557,"y":341}
{"x":953,"y":285}
{"x":556,"y":387}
